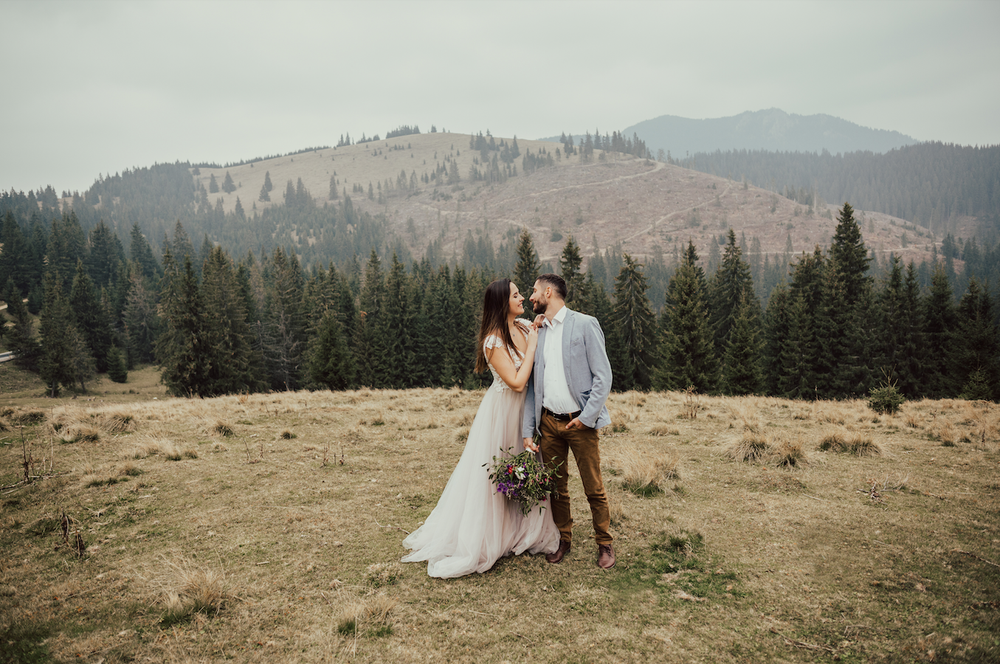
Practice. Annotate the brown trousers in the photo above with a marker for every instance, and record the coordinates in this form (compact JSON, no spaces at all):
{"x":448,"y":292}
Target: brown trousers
{"x":555,"y":446}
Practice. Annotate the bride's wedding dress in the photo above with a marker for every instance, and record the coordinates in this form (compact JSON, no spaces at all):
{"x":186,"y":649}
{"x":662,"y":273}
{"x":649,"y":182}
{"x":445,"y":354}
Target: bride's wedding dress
{"x":473,"y":525}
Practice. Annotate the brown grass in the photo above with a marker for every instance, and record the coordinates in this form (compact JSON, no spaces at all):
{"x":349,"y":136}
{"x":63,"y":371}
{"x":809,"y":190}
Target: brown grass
{"x":289,"y":548}
{"x":750,"y":447}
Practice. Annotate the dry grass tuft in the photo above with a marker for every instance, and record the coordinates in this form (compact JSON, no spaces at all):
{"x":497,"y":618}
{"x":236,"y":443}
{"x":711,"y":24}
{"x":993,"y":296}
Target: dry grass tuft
{"x":863,"y":446}
{"x":119,"y":422}
{"x":287,"y":435}
{"x":834,"y":442}
{"x":77,"y":433}
{"x":379,"y":575}
{"x":169,"y":450}
{"x":643,"y":471}
{"x":24,"y":417}
{"x":223,"y":429}
{"x":188,"y":589}
{"x":219,"y":447}
{"x":663,"y":430}
{"x":789,"y":453}
{"x":750,"y":447}
{"x":129,"y":469}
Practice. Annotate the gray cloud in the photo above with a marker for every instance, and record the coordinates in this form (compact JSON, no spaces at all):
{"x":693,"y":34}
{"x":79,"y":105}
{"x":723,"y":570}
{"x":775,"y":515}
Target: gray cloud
{"x":95,"y":87}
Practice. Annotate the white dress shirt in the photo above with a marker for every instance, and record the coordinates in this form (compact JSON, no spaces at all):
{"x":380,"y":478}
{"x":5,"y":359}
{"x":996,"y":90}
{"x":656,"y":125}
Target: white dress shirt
{"x":556,"y":396}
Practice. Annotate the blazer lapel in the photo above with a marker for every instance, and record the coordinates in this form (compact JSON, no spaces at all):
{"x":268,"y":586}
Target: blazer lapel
{"x":567,"y":336}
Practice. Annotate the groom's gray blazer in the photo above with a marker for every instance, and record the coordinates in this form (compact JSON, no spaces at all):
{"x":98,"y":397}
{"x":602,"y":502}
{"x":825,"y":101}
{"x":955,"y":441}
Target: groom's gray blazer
{"x":588,"y":373}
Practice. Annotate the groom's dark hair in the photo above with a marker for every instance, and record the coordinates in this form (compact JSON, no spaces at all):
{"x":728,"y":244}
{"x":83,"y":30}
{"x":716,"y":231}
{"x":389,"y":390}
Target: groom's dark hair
{"x":556,"y":282}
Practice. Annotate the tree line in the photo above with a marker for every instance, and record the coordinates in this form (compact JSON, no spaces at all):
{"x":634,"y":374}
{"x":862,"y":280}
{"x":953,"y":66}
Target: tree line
{"x":928,"y":183}
{"x":219,"y":325}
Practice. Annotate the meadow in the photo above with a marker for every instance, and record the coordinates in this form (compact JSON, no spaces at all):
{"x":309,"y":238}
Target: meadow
{"x":268,"y":527}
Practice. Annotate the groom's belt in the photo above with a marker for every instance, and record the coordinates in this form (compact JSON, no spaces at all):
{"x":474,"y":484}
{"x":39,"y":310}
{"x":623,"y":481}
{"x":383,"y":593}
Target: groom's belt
{"x":562,"y":417}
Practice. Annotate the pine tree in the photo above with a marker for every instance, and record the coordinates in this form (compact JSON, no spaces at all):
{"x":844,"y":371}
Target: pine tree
{"x":92,"y":321}
{"x":940,"y":327}
{"x":569,"y":269}
{"x":267,"y":182}
{"x":228,"y":185}
{"x":140,"y":320}
{"x":978,"y":351}
{"x":227,"y":336}
{"x":19,"y":335}
{"x":730,"y":289}
{"x":66,"y":246}
{"x":635,"y":325}
{"x":776,"y":334}
{"x":264,"y":197}
{"x":741,"y":370}
{"x":330,"y":362}
{"x":213,"y":186}
{"x":368,"y":342}
{"x":117,"y":368}
{"x":397,"y":327}
{"x":105,"y":255}
{"x":182,"y":349}
{"x":686,"y":355}
{"x":912,"y":341}
{"x":59,"y":340}
{"x":285,"y":335}
{"x":526,"y":270}
{"x":334,"y":194}
{"x":142,"y":254}
{"x":14,"y":255}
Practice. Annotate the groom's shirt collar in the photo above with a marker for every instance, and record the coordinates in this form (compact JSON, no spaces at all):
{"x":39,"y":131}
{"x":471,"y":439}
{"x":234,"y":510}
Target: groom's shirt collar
{"x":558,"y":318}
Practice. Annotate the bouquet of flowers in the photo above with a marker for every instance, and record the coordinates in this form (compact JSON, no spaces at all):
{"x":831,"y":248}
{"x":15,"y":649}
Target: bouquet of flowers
{"x":524,"y":478}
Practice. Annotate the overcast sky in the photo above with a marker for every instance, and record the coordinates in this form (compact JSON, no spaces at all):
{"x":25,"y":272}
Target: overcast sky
{"x":98,"y":87}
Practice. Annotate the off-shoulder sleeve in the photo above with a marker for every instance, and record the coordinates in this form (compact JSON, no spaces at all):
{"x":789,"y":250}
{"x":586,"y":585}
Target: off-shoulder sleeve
{"x":492,"y":341}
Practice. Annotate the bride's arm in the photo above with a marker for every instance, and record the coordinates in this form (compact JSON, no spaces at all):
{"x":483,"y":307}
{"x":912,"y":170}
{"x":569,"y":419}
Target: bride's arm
{"x":516,"y":379}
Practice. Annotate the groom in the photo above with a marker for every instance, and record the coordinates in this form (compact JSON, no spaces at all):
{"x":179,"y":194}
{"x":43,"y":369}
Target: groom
{"x":565,"y":405}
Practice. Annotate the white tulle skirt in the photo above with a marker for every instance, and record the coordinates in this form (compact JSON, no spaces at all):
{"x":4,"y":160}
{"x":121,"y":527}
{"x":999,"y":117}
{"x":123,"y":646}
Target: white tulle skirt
{"x":472,"y":525}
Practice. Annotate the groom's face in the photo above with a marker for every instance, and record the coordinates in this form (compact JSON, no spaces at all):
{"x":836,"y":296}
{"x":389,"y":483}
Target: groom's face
{"x":539,"y":297}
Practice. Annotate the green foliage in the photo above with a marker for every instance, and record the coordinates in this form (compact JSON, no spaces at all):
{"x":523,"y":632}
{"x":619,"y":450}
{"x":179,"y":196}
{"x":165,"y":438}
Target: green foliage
{"x":686,"y":356}
{"x":117,"y":367}
{"x":635,"y":327}
{"x":885,"y":399}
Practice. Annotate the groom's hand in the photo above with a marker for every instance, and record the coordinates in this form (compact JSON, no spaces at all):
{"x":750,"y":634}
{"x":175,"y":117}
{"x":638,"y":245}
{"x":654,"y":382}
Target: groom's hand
{"x":575,"y":423}
{"x":529,"y":445}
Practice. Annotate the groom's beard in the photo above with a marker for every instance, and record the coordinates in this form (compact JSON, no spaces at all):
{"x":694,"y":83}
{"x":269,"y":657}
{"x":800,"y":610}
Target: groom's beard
{"x":538,"y":307}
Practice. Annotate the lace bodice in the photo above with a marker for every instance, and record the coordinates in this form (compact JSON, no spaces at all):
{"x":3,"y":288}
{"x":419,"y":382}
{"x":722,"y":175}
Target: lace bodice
{"x":494,"y":341}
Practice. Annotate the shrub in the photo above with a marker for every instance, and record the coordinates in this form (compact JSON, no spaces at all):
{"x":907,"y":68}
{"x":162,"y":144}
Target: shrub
{"x":886,"y":399}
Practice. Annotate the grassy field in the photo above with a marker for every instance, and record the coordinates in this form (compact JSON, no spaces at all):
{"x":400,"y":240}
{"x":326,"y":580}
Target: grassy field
{"x":268,"y":528}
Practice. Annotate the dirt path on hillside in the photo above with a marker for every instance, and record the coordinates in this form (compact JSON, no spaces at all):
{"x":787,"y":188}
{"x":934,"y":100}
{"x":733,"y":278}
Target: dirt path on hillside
{"x":658,"y":166}
{"x":665,"y":217}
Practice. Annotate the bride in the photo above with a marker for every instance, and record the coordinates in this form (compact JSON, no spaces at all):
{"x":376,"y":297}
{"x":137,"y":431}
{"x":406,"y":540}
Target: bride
{"x":473,"y":525}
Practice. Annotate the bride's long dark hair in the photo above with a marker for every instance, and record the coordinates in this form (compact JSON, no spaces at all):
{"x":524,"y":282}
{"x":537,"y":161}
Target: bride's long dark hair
{"x":496,"y":306}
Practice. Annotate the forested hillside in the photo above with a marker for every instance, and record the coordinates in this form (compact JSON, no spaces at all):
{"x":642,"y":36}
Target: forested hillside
{"x":220,"y":325}
{"x":934,"y":185}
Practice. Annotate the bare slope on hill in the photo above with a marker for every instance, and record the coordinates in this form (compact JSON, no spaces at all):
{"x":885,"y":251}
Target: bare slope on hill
{"x":647,"y":206}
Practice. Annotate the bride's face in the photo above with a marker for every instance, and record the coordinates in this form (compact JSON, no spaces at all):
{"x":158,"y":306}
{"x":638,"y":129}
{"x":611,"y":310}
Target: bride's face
{"x":516,"y":301}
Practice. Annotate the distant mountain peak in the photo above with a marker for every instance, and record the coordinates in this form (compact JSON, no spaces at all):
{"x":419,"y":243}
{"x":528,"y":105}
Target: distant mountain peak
{"x":770,"y":129}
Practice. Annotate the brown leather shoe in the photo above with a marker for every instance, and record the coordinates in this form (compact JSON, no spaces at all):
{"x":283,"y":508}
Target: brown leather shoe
{"x":557,"y":555}
{"x":605,"y":556}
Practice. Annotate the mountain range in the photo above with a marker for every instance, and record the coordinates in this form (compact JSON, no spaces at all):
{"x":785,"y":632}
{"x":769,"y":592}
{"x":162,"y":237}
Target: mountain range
{"x":771,"y":129}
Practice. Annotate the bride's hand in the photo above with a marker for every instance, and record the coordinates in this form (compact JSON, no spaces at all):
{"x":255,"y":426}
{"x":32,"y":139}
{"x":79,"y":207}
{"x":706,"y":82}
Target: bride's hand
{"x":539,"y":320}
{"x":532,"y":336}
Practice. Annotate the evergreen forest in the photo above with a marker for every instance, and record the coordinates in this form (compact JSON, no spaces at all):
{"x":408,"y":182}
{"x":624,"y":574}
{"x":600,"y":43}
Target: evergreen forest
{"x":929,"y":184}
{"x":830,"y":324}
